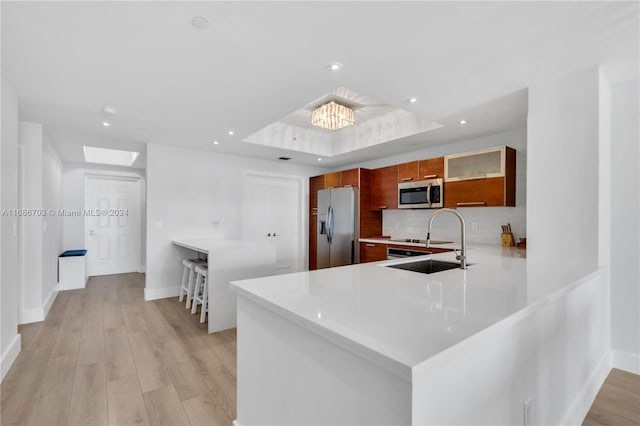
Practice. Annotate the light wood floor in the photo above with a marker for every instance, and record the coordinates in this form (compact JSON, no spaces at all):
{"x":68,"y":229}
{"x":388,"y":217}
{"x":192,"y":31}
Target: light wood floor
{"x":105,"y":356}
{"x":618,"y":402}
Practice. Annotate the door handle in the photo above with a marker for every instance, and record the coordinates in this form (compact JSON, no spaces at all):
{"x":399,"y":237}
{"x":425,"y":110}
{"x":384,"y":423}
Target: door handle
{"x":269,"y":234}
{"x":330,"y":224}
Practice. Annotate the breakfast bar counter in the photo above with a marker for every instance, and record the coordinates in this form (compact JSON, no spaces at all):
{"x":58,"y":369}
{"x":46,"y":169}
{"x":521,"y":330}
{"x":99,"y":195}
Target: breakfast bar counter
{"x":229,"y":260}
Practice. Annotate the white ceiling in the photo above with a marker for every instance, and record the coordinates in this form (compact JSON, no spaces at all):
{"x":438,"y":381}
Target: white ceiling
{"x":258,"y":62}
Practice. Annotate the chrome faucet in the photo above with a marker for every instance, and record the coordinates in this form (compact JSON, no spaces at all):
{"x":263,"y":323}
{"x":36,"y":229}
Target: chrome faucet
{"x":462,"y":257}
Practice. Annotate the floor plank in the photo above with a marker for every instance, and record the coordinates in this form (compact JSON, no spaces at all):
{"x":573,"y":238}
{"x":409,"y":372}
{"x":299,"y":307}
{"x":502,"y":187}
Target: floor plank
{"x":164,"y":407}
{"x":151,"y":370}
{"x":125,"y":402}
{"x":89,"y":397}
{"x":617,"y":402}
{"x":204,"y":410}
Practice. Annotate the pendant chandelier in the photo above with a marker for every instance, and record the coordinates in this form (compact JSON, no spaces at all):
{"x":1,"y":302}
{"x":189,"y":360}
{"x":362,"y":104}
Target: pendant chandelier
{"x":332,"y":116}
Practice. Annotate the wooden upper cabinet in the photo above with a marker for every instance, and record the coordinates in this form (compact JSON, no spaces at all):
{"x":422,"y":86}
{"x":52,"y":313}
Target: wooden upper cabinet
{"x":332,"y":180}
{"x":408,"y":172}
{"x":481,"y":178}
{"x":384,"y":188}
{"x":350,"y":178}
{"x":431,"y":168}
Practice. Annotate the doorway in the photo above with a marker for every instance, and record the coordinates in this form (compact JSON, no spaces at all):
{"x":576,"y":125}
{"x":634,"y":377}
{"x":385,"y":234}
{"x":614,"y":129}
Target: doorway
{"x":272,"y":214}
{"x":113,"y":226}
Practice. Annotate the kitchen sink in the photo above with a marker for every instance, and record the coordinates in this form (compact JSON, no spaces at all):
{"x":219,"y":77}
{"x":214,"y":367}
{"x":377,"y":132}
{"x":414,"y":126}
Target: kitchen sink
{"x":426,"y":266}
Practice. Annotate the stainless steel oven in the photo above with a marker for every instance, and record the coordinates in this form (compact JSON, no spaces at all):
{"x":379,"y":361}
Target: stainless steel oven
{"x":423,"y":194}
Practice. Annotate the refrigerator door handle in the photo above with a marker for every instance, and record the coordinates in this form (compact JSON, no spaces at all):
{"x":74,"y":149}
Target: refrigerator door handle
{"x":330,"y":224}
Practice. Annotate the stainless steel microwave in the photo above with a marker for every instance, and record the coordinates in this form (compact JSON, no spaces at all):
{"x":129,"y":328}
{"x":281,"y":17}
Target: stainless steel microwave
{"x":422,"y":194}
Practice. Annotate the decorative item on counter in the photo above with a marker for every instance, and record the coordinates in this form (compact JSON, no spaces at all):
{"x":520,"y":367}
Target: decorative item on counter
{"x":507,"y":236}
{"x":522,"y":243}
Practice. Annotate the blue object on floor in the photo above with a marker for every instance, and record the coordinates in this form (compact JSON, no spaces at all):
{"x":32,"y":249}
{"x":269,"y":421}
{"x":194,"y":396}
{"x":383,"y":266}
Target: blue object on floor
{"x":73,"y":253}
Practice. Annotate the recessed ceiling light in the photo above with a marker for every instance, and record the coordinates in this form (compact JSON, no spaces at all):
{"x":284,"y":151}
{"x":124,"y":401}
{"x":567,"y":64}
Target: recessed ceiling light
{"x":230,"y":132}
{"x":319,"y":159}
{"x":216,"y":142}
{"x":200,"y":23}
{"x":463,"y":122}
{"x":412,"y":100}
{"x":115,"y":157}
{"x":336,"y":66}
{"x":109,"y":110}
{"x":106,"y":124}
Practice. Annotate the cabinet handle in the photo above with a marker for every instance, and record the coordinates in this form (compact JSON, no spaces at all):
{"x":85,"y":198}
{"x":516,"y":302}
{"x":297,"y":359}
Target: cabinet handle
{"x":472,"y":203}
{"x":331,"y":187}
{"x":315,"y":209}
{"x":314,"y":214}
{"x":347,"y":186}
{"x":406,"y":179}
{"x":429,"y":176}
{"x":371,"y":245}
{"x":382,"y":207}
{"x":472,"y":177}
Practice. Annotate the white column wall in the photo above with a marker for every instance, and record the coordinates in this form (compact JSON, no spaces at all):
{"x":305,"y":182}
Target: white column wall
{"x":625,"y":225}
{"x":9,"y":299}
{"x":562,"y":170}
{"x":40,"y":242}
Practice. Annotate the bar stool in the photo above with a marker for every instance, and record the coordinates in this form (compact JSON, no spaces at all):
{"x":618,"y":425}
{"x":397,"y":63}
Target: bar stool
{"x":201,"y":292}
{"x":187,"y":284}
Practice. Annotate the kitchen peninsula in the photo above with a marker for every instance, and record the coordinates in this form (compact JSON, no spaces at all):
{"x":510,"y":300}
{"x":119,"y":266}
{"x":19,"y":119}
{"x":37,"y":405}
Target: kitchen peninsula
{"x":367,"y":344}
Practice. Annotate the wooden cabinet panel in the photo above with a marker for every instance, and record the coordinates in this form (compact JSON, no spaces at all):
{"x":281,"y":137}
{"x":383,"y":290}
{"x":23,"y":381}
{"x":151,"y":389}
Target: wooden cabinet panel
{"x":384,"y":188}
{"x":316,"y":183}
{"x":431,"y":168}
{"x":350,"y":178}
{"x":313,"y":242}
{"x":408,"y":172}
{"x":370,"y":220}
{"x":476,"y":193}
{"x":370,"y":252}
{"x":332,"y":180}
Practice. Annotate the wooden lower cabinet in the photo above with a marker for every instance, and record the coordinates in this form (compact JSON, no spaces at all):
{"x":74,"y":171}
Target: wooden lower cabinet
{"x":489,"y":192}
{"x":424,"y":249}
{"x":370,"y":252}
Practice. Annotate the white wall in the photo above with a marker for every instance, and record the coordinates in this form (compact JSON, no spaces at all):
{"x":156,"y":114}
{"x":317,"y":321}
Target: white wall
{"x":52,"y":224}
{"x":562,"y":175}
{"x":40,"y":242}
{"x":625,"y":225}
{"x":74,"y":194}
{"x":187,"y":191}
{"x":9,"y":298}
{"x":413,"y":223}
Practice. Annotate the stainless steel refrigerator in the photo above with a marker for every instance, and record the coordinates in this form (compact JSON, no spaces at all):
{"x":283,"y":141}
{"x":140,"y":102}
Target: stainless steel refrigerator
{"x":337,"y":229}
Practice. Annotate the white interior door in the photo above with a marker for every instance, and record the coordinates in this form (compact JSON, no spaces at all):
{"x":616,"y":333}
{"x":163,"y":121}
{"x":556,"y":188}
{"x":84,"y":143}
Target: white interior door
{"x":112,"y":225}
{"x":272,"y":214}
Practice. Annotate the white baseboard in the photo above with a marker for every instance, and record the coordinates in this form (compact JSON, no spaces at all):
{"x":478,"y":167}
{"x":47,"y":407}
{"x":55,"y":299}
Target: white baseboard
{"x":49,"y":302}
{"x":161,"y":293}
{"x":10,"y":355}
{"x":626,"y":361}
{"x":585,"y":397}
{"x":28,"y":316}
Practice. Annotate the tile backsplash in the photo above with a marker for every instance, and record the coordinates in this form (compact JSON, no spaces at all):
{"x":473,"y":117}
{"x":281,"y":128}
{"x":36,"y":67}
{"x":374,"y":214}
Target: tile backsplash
{"x":413,"y":224}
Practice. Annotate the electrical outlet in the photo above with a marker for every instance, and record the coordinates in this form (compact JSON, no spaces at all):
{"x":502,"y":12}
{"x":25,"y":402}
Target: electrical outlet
{"x":526,"y":412}
{"x":474,"y":225}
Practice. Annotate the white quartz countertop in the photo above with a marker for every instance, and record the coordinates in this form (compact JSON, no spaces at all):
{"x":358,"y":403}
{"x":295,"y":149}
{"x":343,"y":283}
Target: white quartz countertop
{"x":402,"y":318}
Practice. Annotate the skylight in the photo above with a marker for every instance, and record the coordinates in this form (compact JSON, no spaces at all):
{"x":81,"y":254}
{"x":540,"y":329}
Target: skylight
{"x":114,"y":157}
